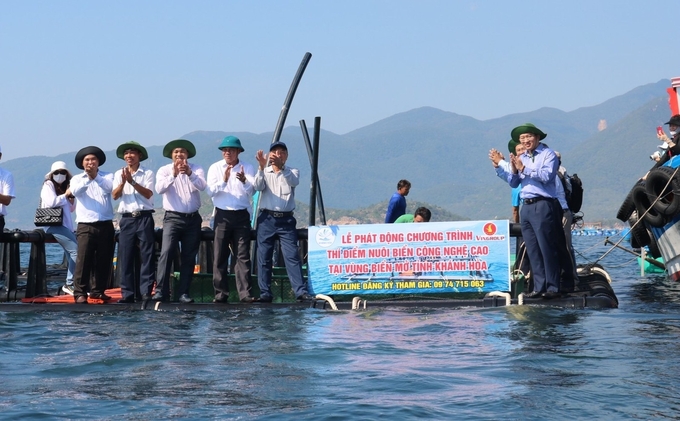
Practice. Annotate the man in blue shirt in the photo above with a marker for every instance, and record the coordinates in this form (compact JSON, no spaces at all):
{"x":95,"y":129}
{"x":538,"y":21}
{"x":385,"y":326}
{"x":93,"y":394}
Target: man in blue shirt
{"x":397,"y":206}
{"x":541,"y":215}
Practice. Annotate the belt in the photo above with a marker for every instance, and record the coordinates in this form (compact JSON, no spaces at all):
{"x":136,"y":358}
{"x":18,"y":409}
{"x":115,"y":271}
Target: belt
{"x":136,"y":214}
{"x":277,"y":214}
{"x":231,"y":210}
{"x":184,"y":215}
{"x":536,"y":199}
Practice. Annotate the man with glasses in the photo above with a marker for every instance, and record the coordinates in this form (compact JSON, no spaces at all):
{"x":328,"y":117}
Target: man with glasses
{"x":541,"y":213}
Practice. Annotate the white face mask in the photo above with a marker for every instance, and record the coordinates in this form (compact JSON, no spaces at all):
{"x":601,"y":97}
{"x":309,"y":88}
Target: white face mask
{"x":673,"y":132}
{"x":59,"y":178}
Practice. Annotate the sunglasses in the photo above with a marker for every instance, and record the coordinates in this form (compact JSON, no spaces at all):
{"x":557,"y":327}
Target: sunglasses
{"x":60,"y":172}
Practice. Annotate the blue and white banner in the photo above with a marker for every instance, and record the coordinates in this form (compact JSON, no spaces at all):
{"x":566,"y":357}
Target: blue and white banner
{"x":428,"y":257}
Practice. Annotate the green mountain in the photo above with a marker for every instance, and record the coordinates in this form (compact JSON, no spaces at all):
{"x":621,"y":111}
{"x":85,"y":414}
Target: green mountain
{"x":443,"y":154}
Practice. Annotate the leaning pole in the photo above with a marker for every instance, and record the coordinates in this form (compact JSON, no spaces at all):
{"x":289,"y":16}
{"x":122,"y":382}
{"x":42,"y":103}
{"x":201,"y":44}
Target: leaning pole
{"x":289,"y":97}
{"x":284,"y":113}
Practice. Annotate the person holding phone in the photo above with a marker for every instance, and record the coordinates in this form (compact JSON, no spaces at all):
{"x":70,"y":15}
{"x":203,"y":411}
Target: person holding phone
{"x":277,"y":182}
{"x":231,"y":187}
{"x":180,"y":184}
{"x":673,"y":142}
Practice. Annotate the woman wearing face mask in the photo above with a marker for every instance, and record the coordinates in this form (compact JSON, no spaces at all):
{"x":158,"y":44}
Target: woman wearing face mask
{"x":55,"y":193}
{"x":673,"y":142}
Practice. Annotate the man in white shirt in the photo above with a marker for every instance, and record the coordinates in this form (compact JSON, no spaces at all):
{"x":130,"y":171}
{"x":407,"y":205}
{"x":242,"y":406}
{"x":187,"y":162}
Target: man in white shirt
{"x":277,"y":183}
{"x":231,"y":187}
{"x":133,"y":186}
{"x":6,"y":193}
{"x":95,"y":232}
{"x":180,"y":184}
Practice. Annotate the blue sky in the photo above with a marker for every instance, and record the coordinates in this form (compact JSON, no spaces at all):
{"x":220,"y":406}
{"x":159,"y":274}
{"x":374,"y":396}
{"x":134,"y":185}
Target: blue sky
{"x":75,"y":73}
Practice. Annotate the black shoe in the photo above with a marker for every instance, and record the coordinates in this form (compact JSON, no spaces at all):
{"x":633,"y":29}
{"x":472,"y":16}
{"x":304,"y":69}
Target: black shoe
{"x":248,"y":300}
{"x":146,"y":297}
{"x":552,"y":294}
{"x":265,"y":299}
{"x":534,"y":294}
{"x":80,"y":299}
{"x":157,"y":296}
{"x":102,"y":297}
{"x":305,"y":297}
{"x":128,"y":300}
{"x":221,"y":298}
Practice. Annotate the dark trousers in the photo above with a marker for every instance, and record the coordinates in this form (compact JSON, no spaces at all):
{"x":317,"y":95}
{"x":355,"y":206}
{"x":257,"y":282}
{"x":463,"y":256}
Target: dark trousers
{"x":269,"y":229}
{"x":95,"y":257}
{"x":232,"y":231}
{"x":186,"y":231}
{"x":133,"y":230}
{"x":541,"y":224}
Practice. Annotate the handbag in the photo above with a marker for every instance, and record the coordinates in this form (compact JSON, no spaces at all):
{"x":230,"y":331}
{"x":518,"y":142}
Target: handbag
{"x":48,"y":217}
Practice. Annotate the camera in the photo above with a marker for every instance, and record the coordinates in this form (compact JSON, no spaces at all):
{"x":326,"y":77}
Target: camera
{"x":655,"y":156}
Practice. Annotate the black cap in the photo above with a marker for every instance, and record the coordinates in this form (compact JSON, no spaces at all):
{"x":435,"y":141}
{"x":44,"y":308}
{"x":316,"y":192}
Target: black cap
{"x":675,"y":120}
{"x":278,"y":145}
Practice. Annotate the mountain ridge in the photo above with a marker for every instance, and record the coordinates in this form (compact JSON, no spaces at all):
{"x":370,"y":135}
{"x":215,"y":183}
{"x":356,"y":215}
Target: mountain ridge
{"x":442,"y":153}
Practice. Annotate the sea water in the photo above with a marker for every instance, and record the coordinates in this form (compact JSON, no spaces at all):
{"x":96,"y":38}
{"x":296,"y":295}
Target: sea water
{"x":511,"y":363}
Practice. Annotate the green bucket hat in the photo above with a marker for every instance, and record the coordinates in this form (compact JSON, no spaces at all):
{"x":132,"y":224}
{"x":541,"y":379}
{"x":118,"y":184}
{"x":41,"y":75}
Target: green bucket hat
{"x":526,"y":128}
{"x":120,"y":152}
{"x":512,"y":145}
{"x":179,"y":143}
{"x":231,"y":142}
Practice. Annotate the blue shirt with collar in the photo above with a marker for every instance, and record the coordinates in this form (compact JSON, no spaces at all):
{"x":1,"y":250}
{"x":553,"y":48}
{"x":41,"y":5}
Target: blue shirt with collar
{"x":538,"y":175}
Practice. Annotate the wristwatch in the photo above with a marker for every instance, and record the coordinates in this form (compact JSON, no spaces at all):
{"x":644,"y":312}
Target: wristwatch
{"x":133,"y":183}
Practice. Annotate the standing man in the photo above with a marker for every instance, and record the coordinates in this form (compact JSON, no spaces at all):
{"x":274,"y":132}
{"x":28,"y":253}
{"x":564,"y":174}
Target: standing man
{"x":180,"y":183}
{"x":6,"y":193}
{"x":397,"y":205}
{"x":231,"y":187}
{"x":541,"y":214}
{"x":133,"y":186}
{"x":277,"y":183}
{"x":95,"y":232}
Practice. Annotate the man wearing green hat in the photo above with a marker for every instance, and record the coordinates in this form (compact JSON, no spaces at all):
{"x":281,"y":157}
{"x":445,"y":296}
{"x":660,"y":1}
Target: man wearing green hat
{"x":231,"y":187}
{"x":541,"y":215}
{"x":133,"y":184}
{"x":180,"y":184}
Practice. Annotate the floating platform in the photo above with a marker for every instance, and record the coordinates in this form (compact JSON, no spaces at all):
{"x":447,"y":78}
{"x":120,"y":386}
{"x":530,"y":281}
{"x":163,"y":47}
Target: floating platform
{"x":593,"y":291}
{"x":569,"y":301}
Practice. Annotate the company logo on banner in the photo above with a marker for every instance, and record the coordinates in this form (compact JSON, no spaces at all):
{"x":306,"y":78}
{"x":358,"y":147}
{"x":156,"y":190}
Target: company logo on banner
{"x":429,"y":257}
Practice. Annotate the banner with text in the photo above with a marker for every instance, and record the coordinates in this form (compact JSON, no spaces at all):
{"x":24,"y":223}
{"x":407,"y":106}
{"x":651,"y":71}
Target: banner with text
{"x":429,"y":257}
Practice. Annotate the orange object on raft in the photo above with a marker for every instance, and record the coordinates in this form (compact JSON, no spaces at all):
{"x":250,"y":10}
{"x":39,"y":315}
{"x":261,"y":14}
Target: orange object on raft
{"x":114,"y":293}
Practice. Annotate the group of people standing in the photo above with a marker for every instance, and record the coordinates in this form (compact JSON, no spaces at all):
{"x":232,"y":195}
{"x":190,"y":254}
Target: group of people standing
{"x":231,"y":183}
{"x":544,"y":217}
